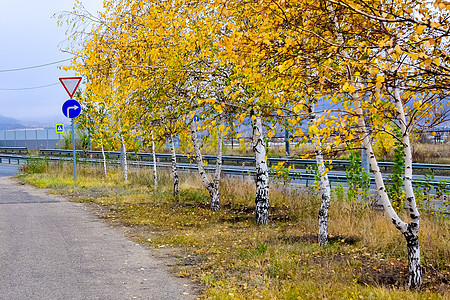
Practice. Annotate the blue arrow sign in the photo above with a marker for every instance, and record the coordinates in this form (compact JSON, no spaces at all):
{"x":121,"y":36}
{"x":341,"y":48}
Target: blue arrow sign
{"x":71,"y":108}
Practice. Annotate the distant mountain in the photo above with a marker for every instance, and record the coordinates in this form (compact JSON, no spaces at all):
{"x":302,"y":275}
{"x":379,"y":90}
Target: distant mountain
{"x":10,"y":123}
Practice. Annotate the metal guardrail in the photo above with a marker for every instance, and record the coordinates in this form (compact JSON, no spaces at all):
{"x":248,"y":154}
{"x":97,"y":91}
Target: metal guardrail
{"x":306,"y":178}
{"x":241,"y":169}
{"x":227,"y":169}
{"x":242,"y":159}
{"x":10,"y":158}
{"x":14,"y":149}
{"x":209,"y":158}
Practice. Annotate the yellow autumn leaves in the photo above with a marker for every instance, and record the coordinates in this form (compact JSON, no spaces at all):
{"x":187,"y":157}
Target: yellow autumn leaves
{"x":150,"y":64}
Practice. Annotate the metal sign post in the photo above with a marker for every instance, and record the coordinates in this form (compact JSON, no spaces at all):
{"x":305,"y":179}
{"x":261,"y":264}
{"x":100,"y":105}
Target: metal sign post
{"x":73,"y":147}
{"x":72,"y":109}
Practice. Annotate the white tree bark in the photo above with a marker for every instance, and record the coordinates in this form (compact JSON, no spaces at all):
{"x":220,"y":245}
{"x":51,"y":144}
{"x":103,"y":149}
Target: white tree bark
{"x":123,"y":157}
{"x":212,"y":187}
{"x":174,"y":167}
{"x":215,"y":201}
{"x":410,"y":231}
{"x":325,"y":190}
{"x":262,"y":175}
{"x":365,"y":134}
{"x":155,"y":175}
{"x":104,"y":158}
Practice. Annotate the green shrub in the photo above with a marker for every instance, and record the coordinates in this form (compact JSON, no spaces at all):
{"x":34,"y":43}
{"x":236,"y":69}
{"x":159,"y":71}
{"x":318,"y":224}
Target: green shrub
{"x":34,"y":165}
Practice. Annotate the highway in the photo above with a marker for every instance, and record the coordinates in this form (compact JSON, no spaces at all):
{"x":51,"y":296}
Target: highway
{"x":8,"y":170}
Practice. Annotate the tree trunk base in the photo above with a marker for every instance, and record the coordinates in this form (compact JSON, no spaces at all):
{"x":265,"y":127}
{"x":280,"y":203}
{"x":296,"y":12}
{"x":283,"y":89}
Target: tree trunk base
{"x":262,"y":213}
{"x":414,"y":268}
{"x":175,"y":187}
{"x":323,"y":220}
{"x":215,"y":201}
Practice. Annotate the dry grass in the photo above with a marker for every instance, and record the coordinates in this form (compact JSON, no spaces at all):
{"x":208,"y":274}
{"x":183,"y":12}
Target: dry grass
{"x":431,"y":153}
{"x":235,"y":259}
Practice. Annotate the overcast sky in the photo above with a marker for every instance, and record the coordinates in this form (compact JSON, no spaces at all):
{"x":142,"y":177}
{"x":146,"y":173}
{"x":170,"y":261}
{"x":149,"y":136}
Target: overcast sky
{"x":29,"y":37}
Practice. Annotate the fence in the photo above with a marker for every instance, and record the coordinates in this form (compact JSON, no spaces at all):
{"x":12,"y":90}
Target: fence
{"x":32,"y":139}
{"x":49,"y":139}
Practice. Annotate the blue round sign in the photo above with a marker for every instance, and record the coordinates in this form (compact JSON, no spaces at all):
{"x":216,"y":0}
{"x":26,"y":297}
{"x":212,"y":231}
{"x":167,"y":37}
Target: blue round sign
{"x":71,"y":108}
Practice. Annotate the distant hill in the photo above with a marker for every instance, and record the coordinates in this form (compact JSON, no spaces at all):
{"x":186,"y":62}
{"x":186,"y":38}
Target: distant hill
{"x":10,"y":123}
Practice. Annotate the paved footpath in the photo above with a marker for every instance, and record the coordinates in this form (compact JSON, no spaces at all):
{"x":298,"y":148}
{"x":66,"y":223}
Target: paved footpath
{"x":54,"y":249}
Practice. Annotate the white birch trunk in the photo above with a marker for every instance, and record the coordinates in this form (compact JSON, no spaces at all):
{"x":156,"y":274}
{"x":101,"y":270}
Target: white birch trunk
{"x":104,"y":158}
{"x":399,"y":224}
{"x":410,"y":231}
{"x":365,"y":135}
{"x":215,"y":199}
{"x":262,"y":175}
{"x":212,"y":187}
{"x":174,"y":166}
{"x":155,"y":175}
{"x":123,"y":162}
{"x":324,"y":183}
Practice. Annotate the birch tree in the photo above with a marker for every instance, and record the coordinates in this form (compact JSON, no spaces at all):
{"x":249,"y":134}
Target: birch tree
{"x":325,"y":191}
{"x":155,"y":174}
{"x":262,"y":173}
{"x":270,"y":49}
{"x":393,"y":66}
{"x":212,"y":187}
{"x":349,"y":65}
{"x":273,"y":61}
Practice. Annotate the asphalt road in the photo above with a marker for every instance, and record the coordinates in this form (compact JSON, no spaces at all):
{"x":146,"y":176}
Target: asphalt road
{"x":54,"y":249}
{"x":8,"y":170}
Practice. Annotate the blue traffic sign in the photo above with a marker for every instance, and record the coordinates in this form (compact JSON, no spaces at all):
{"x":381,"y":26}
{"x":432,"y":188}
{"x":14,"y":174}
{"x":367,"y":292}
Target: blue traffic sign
{"x":71,"y":108}
{"x":59,"y":128}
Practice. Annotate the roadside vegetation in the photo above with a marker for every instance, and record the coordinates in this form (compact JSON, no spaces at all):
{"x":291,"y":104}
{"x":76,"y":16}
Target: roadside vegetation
{"x":338,"y":75}
{"x":233,"y":258}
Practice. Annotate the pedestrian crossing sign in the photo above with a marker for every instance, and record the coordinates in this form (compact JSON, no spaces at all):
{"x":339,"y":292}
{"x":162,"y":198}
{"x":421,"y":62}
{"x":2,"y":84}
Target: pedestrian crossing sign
{"x":59,"y":128}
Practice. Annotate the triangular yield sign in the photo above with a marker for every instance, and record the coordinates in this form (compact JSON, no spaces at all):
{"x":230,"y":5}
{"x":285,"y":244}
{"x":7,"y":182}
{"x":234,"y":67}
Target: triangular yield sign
{"x":70,"y":84}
